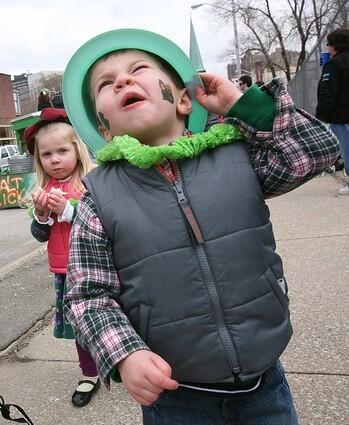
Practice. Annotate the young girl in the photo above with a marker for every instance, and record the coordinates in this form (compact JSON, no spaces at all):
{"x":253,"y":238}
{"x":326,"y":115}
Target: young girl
{"x":61,"y":160}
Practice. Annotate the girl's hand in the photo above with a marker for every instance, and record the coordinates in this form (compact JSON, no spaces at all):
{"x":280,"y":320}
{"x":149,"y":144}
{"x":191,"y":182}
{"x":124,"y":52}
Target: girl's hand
{"x":40,"y":201}
{"x":56,"y":202}
{"x":145,"y":376}
{"x":218,"y":94}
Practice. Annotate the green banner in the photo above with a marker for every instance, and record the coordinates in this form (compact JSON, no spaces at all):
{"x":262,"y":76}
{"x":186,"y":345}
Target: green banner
{"x":16,"y":190}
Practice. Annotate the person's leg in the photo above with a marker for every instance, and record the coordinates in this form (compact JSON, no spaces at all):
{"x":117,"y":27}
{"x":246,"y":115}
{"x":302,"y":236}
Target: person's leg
{"x":183,"y":407}
{"x":342,"y":133}
{"x":271,"y":405}
{"x":90,"y":382}
{"x":58,"y":330}
{"x":86,"y":362}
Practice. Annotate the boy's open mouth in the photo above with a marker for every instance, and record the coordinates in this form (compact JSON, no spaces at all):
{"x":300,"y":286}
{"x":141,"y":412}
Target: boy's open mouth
{"x":130,"y":99}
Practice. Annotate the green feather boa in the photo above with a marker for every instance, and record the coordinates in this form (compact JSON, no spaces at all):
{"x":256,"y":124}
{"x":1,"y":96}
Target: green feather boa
{"x":145,"y":156}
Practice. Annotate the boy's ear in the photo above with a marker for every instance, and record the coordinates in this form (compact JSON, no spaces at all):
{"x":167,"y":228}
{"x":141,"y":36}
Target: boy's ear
{"x":184,"y":105}
{"x":104,"y":133}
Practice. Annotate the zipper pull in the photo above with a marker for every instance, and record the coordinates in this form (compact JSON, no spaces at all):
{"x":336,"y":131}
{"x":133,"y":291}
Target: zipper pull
{"x":179,"y":191}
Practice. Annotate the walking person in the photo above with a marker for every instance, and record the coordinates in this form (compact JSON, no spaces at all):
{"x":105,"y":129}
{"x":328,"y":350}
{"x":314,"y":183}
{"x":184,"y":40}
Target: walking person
{"x":61,"y":160}
{"x":173,"y":282}
{"x":333,"y":94}
{"x":44,"y":99}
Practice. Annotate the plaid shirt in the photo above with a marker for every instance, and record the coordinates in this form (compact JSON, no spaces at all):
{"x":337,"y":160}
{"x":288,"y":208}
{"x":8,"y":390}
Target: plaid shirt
{"x":297,"y":148}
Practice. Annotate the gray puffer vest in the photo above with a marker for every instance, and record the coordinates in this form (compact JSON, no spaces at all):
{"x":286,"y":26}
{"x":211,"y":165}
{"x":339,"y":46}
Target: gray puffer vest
{"x":201,"y":282}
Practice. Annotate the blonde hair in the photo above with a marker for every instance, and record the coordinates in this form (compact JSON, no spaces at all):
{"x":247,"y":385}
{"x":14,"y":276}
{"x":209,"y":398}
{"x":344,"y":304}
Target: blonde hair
{"x":83,"y":165}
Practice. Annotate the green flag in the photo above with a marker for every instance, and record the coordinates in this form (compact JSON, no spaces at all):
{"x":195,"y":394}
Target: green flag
{"x":194,"y":52}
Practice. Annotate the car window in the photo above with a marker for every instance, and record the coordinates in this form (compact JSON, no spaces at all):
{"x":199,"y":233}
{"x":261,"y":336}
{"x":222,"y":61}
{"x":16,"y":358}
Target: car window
{"x":11,"y":150}
{"x":4,"y":153}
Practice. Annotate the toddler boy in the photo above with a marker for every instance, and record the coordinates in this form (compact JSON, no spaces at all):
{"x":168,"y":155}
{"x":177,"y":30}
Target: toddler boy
{"x":174,"y":282}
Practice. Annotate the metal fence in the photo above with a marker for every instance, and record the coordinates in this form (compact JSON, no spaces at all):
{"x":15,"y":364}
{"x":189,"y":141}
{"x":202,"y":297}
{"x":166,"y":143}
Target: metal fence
{"x":303,"y":86}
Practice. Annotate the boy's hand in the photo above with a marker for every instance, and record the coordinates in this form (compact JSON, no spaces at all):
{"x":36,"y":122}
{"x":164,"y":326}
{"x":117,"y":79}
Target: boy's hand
{"x":40,"y":201}
{"x":145,"y":376}
{"x":219,"y":94}
{"x":56,"y":202}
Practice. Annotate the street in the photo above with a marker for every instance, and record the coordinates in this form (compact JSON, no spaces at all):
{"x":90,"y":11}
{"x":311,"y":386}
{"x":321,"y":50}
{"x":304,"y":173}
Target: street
{"x":312,"y":234}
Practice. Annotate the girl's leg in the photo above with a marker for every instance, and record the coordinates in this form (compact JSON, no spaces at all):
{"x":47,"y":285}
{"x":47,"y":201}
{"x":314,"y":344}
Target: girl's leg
{"x":86,"y":362}
{"x":58,"y":330}
{"x":90,"y":382}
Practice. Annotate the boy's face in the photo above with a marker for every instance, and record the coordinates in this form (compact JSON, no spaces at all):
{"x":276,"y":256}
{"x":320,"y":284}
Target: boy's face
{"x":134,"y":96}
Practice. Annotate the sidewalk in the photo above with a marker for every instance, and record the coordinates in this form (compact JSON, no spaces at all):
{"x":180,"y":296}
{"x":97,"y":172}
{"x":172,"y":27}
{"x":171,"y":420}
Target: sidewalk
{"x":311,"y":226}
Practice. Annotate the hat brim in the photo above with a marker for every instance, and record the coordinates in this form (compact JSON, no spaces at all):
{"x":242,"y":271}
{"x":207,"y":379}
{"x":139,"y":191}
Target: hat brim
{"x":76,"y":95}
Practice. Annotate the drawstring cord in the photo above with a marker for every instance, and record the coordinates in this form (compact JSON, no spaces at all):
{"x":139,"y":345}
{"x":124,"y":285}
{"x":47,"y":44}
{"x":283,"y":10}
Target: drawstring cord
{"x":5,"y":411}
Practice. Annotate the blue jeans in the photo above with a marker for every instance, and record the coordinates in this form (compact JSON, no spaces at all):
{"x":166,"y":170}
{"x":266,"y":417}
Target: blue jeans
{"x":272,"y":404}
{"x":342,"y":133}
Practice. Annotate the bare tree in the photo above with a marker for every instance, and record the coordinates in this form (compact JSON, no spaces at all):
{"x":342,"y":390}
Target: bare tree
{"x":53,"y":82}
{"x":307,"y":22}
{"x":292,"y":29}
{"x":342,"y":20}
{"x":260,"y":42}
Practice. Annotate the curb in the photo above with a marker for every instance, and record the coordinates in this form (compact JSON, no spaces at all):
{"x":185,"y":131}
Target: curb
{"x":23,"y":340}
{"x":9,"y":268}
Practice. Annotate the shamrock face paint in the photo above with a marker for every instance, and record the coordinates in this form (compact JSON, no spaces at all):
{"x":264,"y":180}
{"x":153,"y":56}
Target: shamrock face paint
{"x":103,"y":120}
{"x":166,"y":91}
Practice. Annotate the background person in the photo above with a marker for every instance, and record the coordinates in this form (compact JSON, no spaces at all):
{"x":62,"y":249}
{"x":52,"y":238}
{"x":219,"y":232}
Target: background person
{"x":333,"y":94}
{"x":245,"y":82}
{"x":44,"y":100}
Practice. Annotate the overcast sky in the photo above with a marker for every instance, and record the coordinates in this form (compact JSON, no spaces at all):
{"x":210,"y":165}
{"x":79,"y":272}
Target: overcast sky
{"x":42,"y":35}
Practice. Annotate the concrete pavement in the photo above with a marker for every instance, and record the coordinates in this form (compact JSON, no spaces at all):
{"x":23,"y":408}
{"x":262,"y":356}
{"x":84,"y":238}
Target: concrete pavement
{"x":311,"y":226}
{"x":26,"y":292}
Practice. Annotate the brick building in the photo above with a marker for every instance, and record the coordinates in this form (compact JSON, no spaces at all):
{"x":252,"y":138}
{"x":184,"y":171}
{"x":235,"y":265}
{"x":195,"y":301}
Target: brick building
{"x":7,"y":109}
{"x":20,"y":86}
{"x":7,"y":105}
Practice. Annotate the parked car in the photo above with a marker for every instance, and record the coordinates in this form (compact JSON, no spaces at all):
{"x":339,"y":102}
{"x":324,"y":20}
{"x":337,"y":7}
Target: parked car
{"x":6,"y":152}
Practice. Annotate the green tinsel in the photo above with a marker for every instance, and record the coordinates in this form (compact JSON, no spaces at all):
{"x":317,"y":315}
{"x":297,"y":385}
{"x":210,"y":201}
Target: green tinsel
{"x":145,"y":156}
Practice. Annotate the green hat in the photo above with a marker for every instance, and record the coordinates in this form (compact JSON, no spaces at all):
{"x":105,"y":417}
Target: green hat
{"x":76,"y":95}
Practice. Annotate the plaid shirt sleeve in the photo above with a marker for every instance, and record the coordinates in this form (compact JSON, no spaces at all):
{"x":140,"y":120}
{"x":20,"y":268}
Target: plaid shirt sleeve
{"x":296,"y":149}
{"x":93,"y":288}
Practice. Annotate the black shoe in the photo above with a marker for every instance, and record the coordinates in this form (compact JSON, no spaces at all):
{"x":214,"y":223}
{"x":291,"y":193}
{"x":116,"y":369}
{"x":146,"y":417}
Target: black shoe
{"x":81,"y":398}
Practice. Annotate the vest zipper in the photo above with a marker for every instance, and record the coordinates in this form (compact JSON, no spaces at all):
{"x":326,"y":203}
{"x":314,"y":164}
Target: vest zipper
{"x":228,"y":343}
{"x":187,"y":211}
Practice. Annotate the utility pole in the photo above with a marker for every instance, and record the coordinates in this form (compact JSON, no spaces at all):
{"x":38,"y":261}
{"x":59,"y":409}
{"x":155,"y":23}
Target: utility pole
{"x":236,"y":40}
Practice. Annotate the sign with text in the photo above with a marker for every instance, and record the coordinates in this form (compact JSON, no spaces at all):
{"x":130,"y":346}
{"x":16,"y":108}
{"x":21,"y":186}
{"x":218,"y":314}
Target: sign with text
{"x":16,"y":190}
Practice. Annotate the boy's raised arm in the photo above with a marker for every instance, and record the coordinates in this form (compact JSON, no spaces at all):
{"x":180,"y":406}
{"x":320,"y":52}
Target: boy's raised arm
{"x":287,"y":146}
{"x":296,"y":148}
